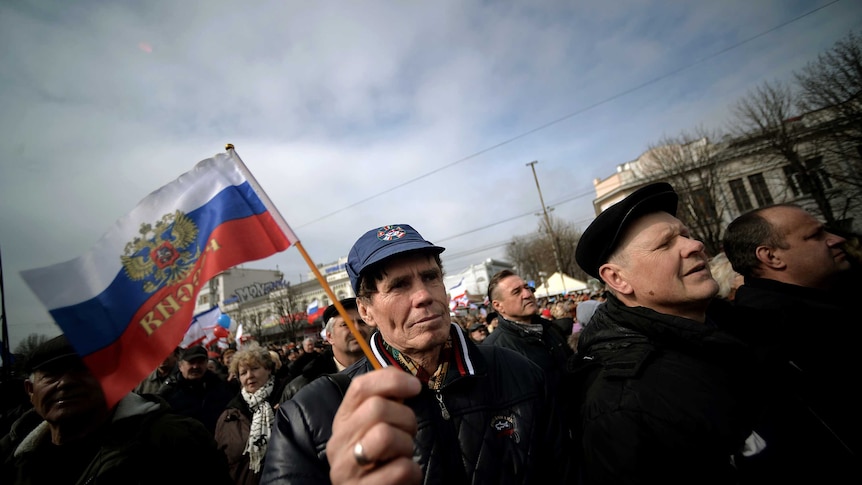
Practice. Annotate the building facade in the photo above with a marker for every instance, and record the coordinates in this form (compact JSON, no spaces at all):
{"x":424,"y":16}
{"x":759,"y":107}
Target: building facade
{"x":470,"y":285}
{"x":718,"y":181}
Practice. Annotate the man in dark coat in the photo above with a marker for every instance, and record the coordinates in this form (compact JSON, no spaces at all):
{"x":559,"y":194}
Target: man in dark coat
{"x":795,"y":270}
{"x":521,"y":329}
{"x":161,"y":374}
{"x":441,"y":410}
{"x":344,"y":350}
{"x":668,"y":399}
{"x":196,"y":391}
{"x":71,"y":436}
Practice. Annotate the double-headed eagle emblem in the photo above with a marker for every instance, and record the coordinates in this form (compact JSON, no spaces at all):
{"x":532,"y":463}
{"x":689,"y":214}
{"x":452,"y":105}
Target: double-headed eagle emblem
{"x":162,"y":255}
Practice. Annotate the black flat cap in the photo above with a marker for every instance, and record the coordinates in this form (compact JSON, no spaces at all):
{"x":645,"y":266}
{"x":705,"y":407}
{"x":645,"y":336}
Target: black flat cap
{"x":331,"y":311}
{"x":192,"y":353}
{"x":53,"y":353}
{"x":603,"y":235}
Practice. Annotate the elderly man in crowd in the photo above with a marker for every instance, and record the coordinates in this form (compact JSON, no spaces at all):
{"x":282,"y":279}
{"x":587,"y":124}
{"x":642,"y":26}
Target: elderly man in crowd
{"x":795,"y":271}
{"x":344,"y":350}
{"x":196,"y":391}
{"x":442,"y":410}
{"x":161,"y":374}
{"x":668,"y":400}
{"x":521,"y":329}
{"x":72,"y":436}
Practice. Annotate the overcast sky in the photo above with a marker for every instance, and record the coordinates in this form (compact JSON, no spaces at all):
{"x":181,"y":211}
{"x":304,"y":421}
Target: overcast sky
{"x":358,"y":114}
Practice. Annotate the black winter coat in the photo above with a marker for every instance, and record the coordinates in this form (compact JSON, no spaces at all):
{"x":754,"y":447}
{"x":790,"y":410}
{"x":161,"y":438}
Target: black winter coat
{"x":502,"y":426}
{"x":671,"y":399}
{"x":203,"y":399}
{"x":324,"y":363}
{"x":810,"y":340}
{"x":550,"y":352}
{"x":143,"y":444}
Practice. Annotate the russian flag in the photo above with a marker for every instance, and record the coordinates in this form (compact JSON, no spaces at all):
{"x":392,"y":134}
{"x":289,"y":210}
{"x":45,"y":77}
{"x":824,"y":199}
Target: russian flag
{"x":128,"y":302}
{"x":314,"y":311}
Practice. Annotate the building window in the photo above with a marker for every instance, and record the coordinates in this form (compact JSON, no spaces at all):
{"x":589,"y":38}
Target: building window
{"x":703,"y":207}
{"x":794,"y":180}
{"x":817,"y":173}
{"x":760,"y":189}
{"x":815,"y":176}
{"x":740,"y":195}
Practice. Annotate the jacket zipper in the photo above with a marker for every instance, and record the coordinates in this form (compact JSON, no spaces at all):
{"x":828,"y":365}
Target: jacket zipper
{"x":443,"y":410}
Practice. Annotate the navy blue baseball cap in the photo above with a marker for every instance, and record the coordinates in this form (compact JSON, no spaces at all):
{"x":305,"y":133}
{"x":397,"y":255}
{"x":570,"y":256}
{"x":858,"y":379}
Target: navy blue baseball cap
{"x":378,"y":244}
{"x":601,"y":238}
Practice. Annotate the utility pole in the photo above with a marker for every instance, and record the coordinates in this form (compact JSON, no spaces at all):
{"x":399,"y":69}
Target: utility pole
{"x":5,"y":350}
{"x":551,"y":234}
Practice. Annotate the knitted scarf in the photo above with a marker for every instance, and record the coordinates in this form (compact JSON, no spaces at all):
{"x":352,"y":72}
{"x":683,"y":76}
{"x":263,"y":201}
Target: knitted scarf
{"x":261,"y":421}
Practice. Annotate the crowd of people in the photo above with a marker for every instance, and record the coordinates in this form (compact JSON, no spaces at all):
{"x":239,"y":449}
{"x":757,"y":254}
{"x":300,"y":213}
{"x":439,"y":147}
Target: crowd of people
{"x":569,"y":313}
{"x":734,"y":368}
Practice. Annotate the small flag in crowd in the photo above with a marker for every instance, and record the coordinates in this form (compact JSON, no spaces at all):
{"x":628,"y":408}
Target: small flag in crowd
{"x":128,"y":302}
{"x":458,"y":295}
{"x":202,"y":328}
{"x":314,"y":311}
{"x":239,"y":339}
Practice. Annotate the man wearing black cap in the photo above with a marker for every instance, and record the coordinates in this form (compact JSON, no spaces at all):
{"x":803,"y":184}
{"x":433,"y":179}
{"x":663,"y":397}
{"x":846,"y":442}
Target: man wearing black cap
{"x":71,"y":436}
{"x":343,"y":350}
{"x":492,"y":319}
{"x":196,"y":391}
{"x":670,"y":400}
{"x":442,"y":410}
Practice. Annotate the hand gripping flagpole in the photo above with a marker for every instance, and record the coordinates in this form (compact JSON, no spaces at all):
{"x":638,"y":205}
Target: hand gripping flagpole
{"x":282,"y":224}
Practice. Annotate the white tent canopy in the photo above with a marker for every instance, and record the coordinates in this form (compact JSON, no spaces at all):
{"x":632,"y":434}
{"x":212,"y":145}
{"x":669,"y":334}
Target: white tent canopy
{"x":554,"y":285}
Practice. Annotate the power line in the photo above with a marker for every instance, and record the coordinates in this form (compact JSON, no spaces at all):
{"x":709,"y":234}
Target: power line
{"x":476,"y":250}
{"x":576,"y":112}
{"x":509,"y":219}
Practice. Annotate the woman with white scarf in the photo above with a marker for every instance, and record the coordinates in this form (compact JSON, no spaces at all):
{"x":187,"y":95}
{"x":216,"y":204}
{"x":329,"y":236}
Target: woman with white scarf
{"x":242,"y":430}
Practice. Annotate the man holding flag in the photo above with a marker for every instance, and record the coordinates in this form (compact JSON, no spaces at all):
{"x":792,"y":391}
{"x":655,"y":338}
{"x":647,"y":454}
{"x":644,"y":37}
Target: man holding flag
{"x":443,"y":407}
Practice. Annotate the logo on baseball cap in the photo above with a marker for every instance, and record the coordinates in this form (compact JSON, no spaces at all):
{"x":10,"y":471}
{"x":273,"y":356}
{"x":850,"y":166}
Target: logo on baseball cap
{"x":381,"y":243}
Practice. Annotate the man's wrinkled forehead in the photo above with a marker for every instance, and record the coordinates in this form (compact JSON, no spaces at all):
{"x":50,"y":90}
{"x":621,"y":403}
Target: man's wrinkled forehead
{"x":651,"y":229}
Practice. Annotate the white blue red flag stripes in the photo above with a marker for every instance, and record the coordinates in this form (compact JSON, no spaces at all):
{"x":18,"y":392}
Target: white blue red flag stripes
{"x":201,"y":329}
{"x":127,"y":302}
